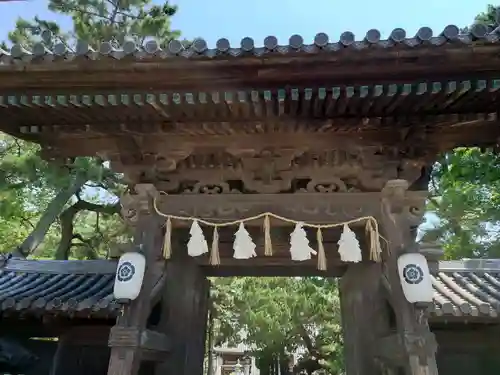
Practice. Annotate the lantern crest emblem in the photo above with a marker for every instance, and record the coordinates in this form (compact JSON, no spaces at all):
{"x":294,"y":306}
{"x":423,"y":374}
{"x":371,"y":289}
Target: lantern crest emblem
{"x":126,"y":272}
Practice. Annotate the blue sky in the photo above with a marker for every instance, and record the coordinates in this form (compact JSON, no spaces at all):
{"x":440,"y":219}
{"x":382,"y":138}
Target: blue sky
{"x":213,"y":19}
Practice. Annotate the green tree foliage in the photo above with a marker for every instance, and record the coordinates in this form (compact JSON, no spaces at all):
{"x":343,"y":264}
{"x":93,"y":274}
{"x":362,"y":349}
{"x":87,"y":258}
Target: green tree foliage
{"x":465,"y":196}
{"x":70,"y":210}
{"x":96,"y":21}
{"x":105,"y":20}
{"x":278,"y":315}
{"x":489,"y":17}
{"x":35,"y":194}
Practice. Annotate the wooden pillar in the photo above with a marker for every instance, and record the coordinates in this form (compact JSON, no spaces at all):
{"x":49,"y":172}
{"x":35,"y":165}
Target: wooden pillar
{"x":364,"y":317}
{"x":413,"y":333}
{"x":185,"y":306}
{"x":125,"y":336}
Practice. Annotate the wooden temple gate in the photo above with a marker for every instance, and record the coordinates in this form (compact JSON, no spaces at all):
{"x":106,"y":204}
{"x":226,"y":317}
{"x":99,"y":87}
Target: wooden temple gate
{"x":319,"y":133}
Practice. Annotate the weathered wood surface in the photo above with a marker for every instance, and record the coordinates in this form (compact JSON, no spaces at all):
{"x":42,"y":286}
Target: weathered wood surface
{"x":125,"y":359}
{"x":411,"y":321}
{"x":312,"y":208}
{"x":364,"y":317}
{"x":184,"y":316}
{"x":163,"y":142}
{"x":82,"y":351}
{"x":154,"y":344}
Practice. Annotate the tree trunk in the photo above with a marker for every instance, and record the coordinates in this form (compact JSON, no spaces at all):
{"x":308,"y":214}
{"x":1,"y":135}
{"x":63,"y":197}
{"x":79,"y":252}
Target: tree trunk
{"x":68,"y":216}
{"x":64,"y":247}
{"x":51,"y":214}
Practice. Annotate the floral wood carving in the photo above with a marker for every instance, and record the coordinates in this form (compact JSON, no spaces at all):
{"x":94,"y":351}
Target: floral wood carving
{"x":270,"y":170}
{"x":267,"y":171}
{"x":326,"y":185}
{"x":209,"y":188}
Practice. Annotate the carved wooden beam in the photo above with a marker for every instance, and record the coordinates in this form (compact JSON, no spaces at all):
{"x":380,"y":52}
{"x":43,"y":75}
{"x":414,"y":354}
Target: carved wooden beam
{"x":140,"y":201}
{"x":313,"y":208}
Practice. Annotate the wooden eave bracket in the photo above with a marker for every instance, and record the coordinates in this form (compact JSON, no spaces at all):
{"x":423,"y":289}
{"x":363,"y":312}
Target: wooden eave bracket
{"x":132,"y":337}
{"x":433,"y":254}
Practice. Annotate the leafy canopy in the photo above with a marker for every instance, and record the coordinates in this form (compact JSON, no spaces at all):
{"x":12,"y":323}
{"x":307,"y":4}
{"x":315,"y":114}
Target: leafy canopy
{"x":280,"y":315}
{"x":465,"y":196}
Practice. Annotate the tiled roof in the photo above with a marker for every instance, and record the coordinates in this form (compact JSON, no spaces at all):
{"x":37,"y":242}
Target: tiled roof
{"x":80,"y":288}
{"x":322,"y":43}
{"x":464,"y":289}
{"x":467,"y":288}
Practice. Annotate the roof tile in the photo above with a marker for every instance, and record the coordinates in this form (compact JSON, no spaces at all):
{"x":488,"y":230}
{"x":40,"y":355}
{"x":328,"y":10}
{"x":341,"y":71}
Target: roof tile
{"x":62,"y":287}
{"x":322,"y":43}
{"x":467,"y":288}
{"x":461,"y":288}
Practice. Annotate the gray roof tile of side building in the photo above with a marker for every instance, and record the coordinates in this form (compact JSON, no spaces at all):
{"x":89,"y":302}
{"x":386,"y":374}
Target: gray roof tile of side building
{"x":74,"y":288}
{"x":450,"y":35}
{"x":463,"y":289}
{"x":467,"y":288}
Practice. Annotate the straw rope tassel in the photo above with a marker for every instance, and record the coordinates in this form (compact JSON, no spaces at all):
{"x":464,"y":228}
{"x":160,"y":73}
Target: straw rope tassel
{"x":214,"y":254}
{"x":197,"y":245}
{"x":167,"y":240}
{"x":268,"y":246}
{"x":375,"y":249}
{"x":321,"y":251}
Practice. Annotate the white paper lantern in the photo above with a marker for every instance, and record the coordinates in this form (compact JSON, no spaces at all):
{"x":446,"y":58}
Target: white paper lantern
{"x":129,"y":276}
{"x":415,"y":278}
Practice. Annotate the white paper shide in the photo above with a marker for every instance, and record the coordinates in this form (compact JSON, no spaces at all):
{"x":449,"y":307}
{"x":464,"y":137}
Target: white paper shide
{"x":129,"y":276}
{"x":243,"y":246}
{"x":197,"y":244}
{"x":299,"y":244}
{"x":349,"y":248}
{"x":415,"y":278}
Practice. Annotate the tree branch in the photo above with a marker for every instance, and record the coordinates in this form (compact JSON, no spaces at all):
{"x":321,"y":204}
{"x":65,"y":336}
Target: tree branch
{"x":50,"y":215}
{"x":27,"y":222}
{"x":307,"y":339}
{"x":67,"y":218}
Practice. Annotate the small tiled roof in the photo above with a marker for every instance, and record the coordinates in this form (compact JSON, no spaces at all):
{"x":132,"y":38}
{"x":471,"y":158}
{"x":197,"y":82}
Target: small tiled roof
{"x":322,"y":43}
{"x":75,"y":288}
{"x":463,"y":289}
{"x":467,"y":288}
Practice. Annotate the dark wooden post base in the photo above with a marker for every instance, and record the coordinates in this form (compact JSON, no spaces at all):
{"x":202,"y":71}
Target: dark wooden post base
{"x":364,"y":317}
{"x":184,"y":315}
